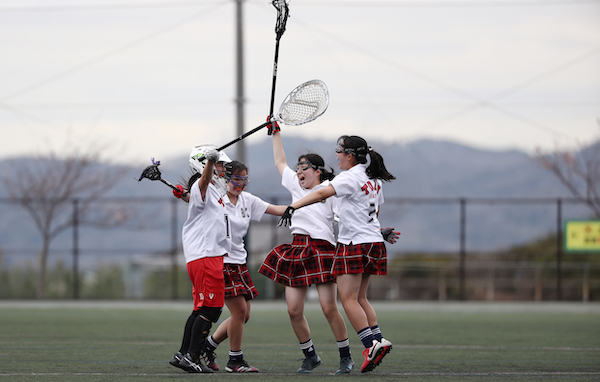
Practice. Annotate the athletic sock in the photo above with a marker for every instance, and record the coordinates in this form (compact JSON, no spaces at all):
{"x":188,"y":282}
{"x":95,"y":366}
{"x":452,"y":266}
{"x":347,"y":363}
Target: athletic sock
{"x":376,"y":332}
{"x":237,"y":355}
{"x":344,"y":348}
{"x":366,"y":336}
{"x":308,"y":349}
{"x":211,"y":344}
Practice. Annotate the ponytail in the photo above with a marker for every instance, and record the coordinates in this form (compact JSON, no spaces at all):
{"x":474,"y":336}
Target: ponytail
{"x":376,"y":169}
{"x":364,"y":154}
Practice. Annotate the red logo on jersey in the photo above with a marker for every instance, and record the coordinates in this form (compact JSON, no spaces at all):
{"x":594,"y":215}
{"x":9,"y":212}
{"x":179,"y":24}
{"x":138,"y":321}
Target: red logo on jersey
{"x":221,"y":202}
{"x":370,"y":186}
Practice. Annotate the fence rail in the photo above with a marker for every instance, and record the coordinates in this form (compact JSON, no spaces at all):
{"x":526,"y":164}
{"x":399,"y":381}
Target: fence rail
{"x":455,"y":226}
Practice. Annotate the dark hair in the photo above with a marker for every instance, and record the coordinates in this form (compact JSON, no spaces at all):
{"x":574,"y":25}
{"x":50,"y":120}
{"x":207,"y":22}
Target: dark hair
{"x":357,"y":146}
{"x":234,"y":167}
{"x":319,"y":163}
{"x":193,"y":178}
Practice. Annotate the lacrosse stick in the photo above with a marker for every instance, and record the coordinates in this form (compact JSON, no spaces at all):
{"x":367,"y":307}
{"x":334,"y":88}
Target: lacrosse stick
{"x":282,"y":15}
{"x":305,"y":103}
{"x":153,"y":173}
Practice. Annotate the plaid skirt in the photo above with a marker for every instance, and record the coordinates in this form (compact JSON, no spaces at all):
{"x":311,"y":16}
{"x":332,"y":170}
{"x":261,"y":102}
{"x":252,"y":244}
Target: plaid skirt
{"x":304,"y":262}
{"x":238,"y":281}
{"x":368,"y":258}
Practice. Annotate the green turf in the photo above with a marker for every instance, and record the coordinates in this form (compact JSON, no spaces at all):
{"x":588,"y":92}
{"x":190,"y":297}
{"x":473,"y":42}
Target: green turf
{"x":133,"y":341}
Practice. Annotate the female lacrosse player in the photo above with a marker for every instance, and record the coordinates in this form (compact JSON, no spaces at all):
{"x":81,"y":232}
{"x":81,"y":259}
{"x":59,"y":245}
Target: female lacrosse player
{"x":206,"y":240}
{"x":360,"y":251}
{"x":239,"y":287}
{"x":309,"y":258}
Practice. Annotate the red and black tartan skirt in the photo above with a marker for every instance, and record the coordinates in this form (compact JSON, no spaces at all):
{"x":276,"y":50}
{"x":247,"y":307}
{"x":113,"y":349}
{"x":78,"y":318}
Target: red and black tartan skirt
{"x":368,"y":258}
{"x":304,"y":262}
{"x":238,"y":281}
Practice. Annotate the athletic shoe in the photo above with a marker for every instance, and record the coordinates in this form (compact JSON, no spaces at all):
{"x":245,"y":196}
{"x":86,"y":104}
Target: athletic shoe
{"x":209,"y":358}
{"x":309,"y":364}
{"x":190,"y":366}
{"x":346,"y":365}
{"x":176,"y":359}
{"x":373,"y":356}
{"x":240,"y":367}
{"x":387,"y":346}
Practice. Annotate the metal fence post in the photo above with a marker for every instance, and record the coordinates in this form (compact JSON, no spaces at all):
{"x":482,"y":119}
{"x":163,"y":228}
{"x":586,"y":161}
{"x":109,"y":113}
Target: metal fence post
{"x":559,"y":249}
{"x":174,"y":240}
{"x":75,"y":249}
{"x":463,"y":252}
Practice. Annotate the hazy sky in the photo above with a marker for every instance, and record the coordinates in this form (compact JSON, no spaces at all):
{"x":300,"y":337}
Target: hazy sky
{"x":156,"y":77}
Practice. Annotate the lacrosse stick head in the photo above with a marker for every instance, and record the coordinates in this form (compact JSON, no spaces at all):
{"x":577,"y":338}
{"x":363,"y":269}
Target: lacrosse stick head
{"x":283,"y":11}
{"x":305,"y":103}
{"x":198,"y":162}
{"x":151,"y":172}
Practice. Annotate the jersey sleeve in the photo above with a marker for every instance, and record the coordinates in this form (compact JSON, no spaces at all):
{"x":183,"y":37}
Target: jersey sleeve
{"x":257,"y":206}
{"x":342,"y":184}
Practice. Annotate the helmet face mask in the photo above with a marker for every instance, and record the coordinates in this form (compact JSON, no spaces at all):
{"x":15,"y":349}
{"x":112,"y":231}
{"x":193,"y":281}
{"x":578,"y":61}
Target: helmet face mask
{"x":198,"y":163}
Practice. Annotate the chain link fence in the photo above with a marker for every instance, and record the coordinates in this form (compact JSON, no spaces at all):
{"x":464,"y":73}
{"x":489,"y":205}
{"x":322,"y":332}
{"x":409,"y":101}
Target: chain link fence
{"x":449,"y":249}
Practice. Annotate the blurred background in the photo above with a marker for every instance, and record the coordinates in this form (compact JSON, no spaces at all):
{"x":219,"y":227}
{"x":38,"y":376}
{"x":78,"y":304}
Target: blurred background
{"x":485,"y":111}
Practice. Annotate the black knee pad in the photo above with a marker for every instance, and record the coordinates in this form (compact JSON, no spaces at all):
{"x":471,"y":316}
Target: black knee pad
{"x":211,"y":314}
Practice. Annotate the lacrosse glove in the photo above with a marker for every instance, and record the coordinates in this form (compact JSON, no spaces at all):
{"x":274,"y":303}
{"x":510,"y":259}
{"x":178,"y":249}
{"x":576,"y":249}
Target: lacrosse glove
{"x":212,"y":155}
{"x":272,"y":127}
{"x":390,"y":235}
{"x":178,"y":193}
{"x":286,"y":218}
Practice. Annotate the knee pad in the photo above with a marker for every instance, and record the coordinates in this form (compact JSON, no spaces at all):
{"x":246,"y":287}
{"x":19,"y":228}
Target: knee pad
{"x":211,"y":314}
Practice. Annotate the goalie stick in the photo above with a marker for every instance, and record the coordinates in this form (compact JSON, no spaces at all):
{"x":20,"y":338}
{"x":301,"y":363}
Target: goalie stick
{"x":305,"y":103}
{"x":282,"y":16}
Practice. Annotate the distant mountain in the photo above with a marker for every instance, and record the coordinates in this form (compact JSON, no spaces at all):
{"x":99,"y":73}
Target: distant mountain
{"x":424,"y":169}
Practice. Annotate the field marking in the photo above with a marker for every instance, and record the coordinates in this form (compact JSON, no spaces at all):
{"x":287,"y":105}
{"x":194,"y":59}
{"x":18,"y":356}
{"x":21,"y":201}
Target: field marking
{"x":401,"y":374}
{"x":493,"y":347}
{"x":397,"y":306}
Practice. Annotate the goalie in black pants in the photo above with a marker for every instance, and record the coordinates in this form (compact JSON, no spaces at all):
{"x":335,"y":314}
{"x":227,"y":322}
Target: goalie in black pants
{"x":205,"y":243}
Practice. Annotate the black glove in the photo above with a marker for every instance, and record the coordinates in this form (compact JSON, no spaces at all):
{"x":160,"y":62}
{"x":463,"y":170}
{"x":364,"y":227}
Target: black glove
{"x":390,"y":235}
{"x":286,"y":218}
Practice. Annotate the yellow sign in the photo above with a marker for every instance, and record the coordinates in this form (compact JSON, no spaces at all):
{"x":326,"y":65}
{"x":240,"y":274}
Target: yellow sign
{"x":582,"y":235}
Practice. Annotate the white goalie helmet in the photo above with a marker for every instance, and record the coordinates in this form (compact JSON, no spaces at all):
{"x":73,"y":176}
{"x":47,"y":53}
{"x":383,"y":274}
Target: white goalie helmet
{"x":198,"y":162}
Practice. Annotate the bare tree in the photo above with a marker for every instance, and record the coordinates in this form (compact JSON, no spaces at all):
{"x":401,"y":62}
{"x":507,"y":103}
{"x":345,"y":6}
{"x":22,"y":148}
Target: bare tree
{"x":578,"y":170}
{"x":46,"y":184}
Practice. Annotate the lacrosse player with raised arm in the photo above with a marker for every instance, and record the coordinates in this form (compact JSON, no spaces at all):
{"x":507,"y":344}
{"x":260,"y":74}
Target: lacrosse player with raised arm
{"x":308,"y":260}
{"x":242,"y":207}
{"x":360,"y":250}
{"x":206,"y":241}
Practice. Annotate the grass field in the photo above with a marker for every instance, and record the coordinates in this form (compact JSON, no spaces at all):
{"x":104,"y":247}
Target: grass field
{"x":133,"y":341}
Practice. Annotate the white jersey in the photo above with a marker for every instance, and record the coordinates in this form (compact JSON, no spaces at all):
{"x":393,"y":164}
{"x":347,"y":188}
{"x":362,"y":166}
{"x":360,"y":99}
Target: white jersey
{"x":206,"y":230}
{"x":315,"y":220}
{"x":248,"y":207}
{"x":359,"y":199}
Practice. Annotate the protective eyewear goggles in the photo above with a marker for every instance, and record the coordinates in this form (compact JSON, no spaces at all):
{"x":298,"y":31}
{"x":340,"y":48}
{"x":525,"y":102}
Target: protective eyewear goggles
{"x":339,"y":146}
{"x":239,"y":181}
{"x":305,"y":165}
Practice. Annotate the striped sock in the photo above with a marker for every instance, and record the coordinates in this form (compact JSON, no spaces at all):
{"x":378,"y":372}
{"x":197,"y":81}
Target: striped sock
{"x":308,"y":349}
{"x":366,"y":336}
{"x":376,"y":332}
{"x":237,"y":355}
{"x":344,"y":348}
{"x":211,"y":344}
